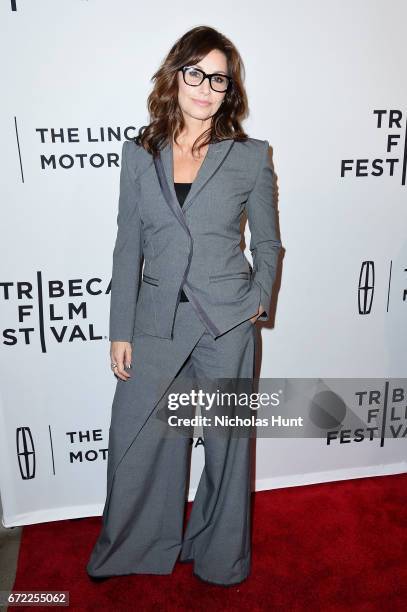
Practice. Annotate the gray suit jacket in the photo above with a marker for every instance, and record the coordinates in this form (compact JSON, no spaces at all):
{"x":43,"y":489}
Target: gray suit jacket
{"x":196,"y":247}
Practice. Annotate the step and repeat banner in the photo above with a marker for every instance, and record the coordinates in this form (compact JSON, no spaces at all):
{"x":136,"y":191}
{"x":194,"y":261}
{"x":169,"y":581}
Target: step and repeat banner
{"x":326,"y":89}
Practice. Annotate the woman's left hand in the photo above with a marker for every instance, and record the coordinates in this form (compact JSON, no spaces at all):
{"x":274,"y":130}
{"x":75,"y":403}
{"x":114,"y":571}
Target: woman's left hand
{"x":256,"y":316}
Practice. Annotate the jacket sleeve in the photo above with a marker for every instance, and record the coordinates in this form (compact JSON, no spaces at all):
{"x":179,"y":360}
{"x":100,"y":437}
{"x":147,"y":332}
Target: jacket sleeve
{"x":264,"y":243}
{"x":127,"y":252}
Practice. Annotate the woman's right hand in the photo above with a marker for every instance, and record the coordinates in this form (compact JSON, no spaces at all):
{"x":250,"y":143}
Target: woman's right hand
{"x":120,"y":354}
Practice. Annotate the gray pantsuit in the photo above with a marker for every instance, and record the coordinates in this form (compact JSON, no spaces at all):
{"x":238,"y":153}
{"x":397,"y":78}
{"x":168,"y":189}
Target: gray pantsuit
{"x":143,"y":518}
{"x":210,"y":337}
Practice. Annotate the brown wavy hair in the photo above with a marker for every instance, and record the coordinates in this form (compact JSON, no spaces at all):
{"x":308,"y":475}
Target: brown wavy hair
{"x":166,"y":119}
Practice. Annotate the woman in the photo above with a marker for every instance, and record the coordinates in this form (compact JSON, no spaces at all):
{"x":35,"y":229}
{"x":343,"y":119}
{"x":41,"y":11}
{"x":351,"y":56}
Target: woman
{"x":190,"y":318}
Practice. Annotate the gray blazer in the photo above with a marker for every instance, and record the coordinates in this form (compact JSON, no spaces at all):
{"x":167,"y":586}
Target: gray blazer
{"x":196,"y":247}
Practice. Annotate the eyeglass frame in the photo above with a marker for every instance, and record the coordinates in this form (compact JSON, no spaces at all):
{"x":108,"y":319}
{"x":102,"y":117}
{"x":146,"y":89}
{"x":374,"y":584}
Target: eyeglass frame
{"x":207,"y":76}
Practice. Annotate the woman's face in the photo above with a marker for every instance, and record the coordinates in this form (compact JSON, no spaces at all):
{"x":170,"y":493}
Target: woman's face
{"x":189,"y":95}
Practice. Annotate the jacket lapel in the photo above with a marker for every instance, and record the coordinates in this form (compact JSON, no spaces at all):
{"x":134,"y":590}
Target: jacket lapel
{"x":215,"y":154}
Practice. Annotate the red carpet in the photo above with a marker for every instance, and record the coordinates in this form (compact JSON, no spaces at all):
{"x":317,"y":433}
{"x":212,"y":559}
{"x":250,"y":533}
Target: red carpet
{"x":334,"y":546}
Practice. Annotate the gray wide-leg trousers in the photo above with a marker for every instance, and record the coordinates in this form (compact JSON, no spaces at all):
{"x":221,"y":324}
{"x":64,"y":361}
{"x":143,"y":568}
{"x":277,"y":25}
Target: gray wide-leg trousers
{"x":147,"y":468}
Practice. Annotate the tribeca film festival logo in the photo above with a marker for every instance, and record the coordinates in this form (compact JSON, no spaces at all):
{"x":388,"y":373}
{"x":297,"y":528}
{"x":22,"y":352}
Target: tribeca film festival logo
{"x":392,"y":163}
{"x":382,"y":413}
{"x":52,"y":310}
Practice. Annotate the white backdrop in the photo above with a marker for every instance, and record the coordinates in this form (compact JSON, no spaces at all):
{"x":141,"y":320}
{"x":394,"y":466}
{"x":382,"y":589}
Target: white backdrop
{"x":317,"y":72}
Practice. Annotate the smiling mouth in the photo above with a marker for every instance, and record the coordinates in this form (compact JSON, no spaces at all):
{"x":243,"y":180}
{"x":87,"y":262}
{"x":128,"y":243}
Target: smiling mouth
{"x":201,"y":102}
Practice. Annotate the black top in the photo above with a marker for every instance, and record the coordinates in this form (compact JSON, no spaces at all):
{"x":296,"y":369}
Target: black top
{"x":182,"y":189}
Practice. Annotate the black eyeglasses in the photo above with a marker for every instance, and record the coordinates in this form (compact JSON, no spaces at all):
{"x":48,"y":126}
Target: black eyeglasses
{"x":195,"y":76}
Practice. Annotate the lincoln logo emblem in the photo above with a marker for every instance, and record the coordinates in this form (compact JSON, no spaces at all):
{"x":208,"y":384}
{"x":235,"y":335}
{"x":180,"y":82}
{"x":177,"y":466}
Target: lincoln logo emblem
{"x":25,"y":453}
{"x":366,"y":287}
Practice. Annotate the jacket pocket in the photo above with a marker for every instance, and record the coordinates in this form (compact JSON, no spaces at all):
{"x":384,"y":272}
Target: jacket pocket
{"x":151,"y":280}
{"x":215,"y":278}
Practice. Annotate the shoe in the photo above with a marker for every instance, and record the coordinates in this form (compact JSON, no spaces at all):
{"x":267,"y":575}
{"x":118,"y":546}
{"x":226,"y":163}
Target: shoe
{"x":185,"y":560}
{"x":224,"y":584}
{"x":98,"y":578}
